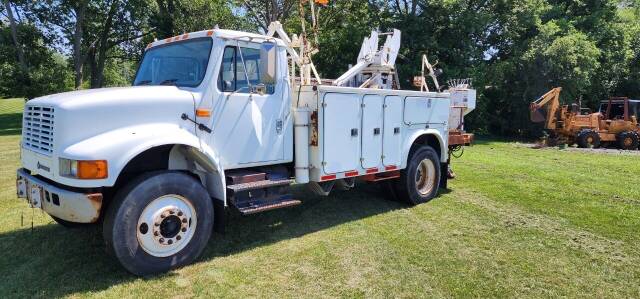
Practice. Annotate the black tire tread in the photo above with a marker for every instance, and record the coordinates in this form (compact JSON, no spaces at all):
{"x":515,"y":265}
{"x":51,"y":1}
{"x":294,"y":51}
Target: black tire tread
{"x":404,"y":186}
{"x":135,"y":260}
{"x":582,"y":138}
{"x":629,"y":134}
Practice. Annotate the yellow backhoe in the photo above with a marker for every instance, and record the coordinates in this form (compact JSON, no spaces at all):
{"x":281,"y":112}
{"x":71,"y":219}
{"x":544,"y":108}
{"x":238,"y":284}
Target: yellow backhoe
{"x":571,"y":124}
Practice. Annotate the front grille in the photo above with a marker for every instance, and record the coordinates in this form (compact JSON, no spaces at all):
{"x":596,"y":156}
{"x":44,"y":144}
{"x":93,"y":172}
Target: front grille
{"x":37,"y":129}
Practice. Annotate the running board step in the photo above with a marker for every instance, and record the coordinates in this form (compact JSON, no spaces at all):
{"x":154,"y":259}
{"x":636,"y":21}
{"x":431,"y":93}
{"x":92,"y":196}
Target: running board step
{"x":257,"y":185}
{"x":254,"y":207}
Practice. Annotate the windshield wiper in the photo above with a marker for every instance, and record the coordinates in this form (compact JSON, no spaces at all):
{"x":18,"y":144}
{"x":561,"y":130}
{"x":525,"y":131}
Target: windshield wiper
{"x":144,"y":82}
{"x":169,"y":82}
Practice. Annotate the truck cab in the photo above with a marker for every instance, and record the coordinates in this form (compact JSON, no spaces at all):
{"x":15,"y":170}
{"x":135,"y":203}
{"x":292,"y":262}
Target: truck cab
{"x":219,"y":120}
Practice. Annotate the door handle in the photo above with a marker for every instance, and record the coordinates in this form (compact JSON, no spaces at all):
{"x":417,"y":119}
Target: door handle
{"x":376,"y":131}
{"x":354,"y":132}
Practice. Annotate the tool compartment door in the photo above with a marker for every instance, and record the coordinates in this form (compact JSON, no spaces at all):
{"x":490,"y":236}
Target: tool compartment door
{"x":392,"y":133}
{"x":341,"y":132}
{"x":426,"y":111}
{"x":372,"y":121}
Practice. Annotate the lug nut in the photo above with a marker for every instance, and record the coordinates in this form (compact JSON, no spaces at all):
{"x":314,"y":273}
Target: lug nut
{"x":184,"y":229}
{"x":161,"y":240}
{"x":171,"y":212}
{"x":180,"y":214}
{"x":178,"y":238}
{"x":184,"y":220}
{"x":156,"y":234}
{"x":170,"y":242}
{"x":157,"y":224}
{"x":162,"y":216}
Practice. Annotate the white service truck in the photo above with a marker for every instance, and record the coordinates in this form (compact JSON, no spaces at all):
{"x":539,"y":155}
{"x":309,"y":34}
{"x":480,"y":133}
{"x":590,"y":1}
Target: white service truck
{"x":219,"y":119}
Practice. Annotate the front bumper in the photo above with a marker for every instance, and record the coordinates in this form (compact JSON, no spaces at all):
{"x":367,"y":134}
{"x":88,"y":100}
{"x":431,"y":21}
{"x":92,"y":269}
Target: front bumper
{"x":64,"y":204}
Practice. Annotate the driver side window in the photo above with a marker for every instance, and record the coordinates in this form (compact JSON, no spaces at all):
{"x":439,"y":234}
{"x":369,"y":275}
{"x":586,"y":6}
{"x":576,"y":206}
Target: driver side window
{"x":234,"y":77}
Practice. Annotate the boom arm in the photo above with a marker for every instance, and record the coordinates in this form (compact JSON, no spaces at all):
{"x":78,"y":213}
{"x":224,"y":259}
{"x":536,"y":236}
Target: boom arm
{"x":551,"y":98}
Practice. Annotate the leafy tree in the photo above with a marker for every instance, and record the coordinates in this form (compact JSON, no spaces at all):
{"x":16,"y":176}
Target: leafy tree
{"x":43,"y":65}
{"x":173,"y":17}
{"x":263,"y":12}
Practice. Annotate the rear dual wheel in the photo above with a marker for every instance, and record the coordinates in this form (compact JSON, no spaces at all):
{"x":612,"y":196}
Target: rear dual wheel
{"x":420,"y":181}
{"x":159,"y":222}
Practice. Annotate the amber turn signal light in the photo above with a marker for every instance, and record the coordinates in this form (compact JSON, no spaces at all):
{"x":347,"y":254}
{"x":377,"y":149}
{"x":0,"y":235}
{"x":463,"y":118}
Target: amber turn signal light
{"x":88,"y":170}
{"x":203,"y":112}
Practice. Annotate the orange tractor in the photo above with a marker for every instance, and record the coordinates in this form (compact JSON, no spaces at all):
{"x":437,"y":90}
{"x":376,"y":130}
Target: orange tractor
{"x":569,"y":124}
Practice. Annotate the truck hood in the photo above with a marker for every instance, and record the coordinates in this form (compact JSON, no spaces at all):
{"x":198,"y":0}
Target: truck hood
{"x":111,"y":96}
{"x":86,"y":113}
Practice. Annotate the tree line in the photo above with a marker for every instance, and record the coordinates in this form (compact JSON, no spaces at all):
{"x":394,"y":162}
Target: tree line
{"x":513,"y":50}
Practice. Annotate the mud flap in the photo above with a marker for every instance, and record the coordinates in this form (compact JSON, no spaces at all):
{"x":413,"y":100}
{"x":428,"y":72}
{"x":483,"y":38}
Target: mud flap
{"x":219,"y":216}
{"x":444,"y":178}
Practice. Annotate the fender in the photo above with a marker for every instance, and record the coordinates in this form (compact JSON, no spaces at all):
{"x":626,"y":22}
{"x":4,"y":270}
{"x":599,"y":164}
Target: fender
{"x":119,"y":147}
{"x":414,"y":135}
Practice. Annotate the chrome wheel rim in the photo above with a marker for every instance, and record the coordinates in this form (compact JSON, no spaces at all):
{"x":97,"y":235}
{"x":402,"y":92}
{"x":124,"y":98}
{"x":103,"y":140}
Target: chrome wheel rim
{"x":166,"y":225}
{"x":425,"y":177}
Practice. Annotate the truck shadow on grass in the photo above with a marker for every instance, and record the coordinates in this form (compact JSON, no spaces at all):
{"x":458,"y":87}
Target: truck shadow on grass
{"x":52,"y":261}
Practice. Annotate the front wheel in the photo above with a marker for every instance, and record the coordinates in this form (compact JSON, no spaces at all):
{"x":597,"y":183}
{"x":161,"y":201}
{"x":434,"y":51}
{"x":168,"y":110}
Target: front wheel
{"x":588,"y":139}
{"x":159,"y":222}
{"x":420,"y":181}
{"x":628,"y":140}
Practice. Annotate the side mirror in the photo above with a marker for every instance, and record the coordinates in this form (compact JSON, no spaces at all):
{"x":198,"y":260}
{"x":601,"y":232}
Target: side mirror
{"x":268,"y":62}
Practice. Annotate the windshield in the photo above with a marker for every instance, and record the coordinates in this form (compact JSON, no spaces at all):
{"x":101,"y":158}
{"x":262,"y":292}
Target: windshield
{"x":181,"y":64}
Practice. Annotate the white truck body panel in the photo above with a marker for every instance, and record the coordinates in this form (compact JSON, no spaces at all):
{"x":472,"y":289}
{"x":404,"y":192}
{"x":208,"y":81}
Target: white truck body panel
{"x":372,"y":125}
{"x":463,"y":101}
{"x":340,"y":148}
{"x":392,"y":138}
{"x":347,"y":118}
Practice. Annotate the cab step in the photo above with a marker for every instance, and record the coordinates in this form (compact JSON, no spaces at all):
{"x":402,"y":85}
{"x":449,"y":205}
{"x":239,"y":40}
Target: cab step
{"x":252,"y":192}
{"x":257,"y":185}
{"x":257,"y":206}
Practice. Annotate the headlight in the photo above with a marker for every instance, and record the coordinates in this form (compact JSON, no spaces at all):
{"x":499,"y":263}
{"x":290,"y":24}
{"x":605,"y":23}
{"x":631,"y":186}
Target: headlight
{"x":84,"y":170}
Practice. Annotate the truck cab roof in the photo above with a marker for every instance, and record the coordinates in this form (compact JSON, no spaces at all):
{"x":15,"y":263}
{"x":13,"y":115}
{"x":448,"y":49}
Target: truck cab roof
{"x":219,"y":33}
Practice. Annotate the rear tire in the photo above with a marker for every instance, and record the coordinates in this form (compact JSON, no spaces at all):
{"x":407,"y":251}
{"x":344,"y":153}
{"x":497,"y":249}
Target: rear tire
{"x":158,"y":222}
{"x":420,"y":181}
{"x":588,"y":139}
{"x":628,"y":140}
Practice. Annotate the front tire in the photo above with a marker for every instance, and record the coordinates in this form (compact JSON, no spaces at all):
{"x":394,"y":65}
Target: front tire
{"x":159,"y":222}
{"x":628,"y":140}
{"x":420,"y":181}
{"x":588,"y":139}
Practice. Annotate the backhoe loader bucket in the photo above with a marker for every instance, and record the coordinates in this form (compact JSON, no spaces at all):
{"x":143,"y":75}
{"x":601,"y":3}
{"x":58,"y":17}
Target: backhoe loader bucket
{"x":537,"y":115}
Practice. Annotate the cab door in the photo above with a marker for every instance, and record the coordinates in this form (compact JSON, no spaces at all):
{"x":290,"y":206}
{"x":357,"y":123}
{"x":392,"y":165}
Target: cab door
{"x":248,"y":127}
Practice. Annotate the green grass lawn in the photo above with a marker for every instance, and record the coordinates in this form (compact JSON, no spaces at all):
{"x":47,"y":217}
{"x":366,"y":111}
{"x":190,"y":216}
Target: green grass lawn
{"x":517,"y":222}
